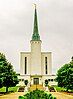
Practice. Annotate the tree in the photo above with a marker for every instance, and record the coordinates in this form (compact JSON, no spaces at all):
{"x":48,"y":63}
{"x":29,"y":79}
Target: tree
{"x":1,"y":82}
{"x":65,"y":76}
{"x":2,"y":60}
{"x":7,"y":74}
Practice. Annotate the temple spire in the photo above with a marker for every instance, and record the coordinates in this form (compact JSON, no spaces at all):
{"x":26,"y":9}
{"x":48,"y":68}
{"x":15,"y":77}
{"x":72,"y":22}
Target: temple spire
{"x":35,"y":5}
{"x":35,"y":36}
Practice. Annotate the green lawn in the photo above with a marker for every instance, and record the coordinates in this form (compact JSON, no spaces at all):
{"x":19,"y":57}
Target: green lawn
{"x":59,"y":89}
{"x":10,"y":89}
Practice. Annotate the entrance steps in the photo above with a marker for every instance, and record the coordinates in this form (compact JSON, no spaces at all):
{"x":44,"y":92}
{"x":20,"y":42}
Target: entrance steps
{"x":33,"y":87}
{"x":21,"y":89}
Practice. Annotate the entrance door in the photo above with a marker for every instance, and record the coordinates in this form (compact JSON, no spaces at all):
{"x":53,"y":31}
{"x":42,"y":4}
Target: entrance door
{"x":36,"y":80}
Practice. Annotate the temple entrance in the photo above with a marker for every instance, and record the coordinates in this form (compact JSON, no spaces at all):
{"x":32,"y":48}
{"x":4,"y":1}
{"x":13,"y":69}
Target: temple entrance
{"x":36,"y":80}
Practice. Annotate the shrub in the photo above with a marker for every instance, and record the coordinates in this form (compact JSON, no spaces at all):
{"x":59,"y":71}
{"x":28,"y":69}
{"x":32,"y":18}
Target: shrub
{"x":21,"y":89}
{"x":37,"y":94}
{"x":46,"y":82}
{"x":54,"y":98}
{"x":21,"y":97}
{"x":26,"y":82}
{"x":51,"y":89}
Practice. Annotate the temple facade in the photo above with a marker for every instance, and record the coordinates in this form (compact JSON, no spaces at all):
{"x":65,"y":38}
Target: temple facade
{"x":36,"y":66}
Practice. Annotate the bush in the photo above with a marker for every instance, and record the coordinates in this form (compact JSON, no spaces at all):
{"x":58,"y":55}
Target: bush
{"x":51,"y":89}
{"x":26,"y":82}
{"x":46,"y":82}
{"x":21,"y":89}
{"x":21,"y":97}
{"x":37,"y":94}
{"x":54,"y":98}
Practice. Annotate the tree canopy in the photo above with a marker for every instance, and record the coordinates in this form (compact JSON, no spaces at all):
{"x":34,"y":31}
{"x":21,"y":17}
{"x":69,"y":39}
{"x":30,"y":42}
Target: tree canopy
{"x":65,"y":76}
{"x":8,"y":77}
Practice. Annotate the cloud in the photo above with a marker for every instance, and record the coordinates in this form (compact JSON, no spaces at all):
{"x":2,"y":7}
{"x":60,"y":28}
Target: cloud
{"x":55,"y":19}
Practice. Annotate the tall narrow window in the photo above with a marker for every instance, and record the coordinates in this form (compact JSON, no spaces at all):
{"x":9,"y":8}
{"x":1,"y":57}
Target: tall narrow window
{"x":25,"y":65}
{"x":46,"y":65}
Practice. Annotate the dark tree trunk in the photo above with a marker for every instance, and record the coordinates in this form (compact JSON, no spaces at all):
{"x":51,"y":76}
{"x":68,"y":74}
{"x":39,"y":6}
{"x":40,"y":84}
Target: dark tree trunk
{"x":67,"y":89}
{"x":6,"y":89}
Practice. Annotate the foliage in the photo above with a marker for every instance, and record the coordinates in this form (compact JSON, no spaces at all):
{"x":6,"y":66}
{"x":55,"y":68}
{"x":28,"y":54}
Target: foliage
{"x":21,"y":89}
{"x":1,"y":82}
{"x":58,"y":89}
{"x":61,"y":89}
{"x":51,"y":89}
{"x":7,"y":75}
{"x":65,"y":76}
{"x":26,"y":82}
{"x":37,"y":94}
{"x":46,"y":82}
{"x":10,"y":89}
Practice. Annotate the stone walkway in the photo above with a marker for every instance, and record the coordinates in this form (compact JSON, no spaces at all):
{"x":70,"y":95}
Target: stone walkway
{"x":59,"y":95}
{"x":12,"y":95}
{"x":16,"y":94}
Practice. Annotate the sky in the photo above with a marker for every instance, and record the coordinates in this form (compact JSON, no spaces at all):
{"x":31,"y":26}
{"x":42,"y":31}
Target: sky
{"x":55,"y":21}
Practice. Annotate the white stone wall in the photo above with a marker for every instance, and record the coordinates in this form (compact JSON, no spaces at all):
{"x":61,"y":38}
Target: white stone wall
{"x":25,"y":77}
{"x":35,"y":63}
{"x":41,"y":79}
{"x":22,"y":63}
{"x":35,"y":57}
{"x":44,"y":77}
{"x":49,"y":62}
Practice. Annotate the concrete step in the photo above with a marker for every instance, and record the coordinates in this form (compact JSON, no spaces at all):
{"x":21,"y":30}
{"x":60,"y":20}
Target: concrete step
{"x":33,"y":87}
{"x":21,"y":89}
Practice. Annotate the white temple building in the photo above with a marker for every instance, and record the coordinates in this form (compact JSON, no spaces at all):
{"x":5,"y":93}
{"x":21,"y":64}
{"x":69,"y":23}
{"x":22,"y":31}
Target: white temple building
{"x":36,"y":65}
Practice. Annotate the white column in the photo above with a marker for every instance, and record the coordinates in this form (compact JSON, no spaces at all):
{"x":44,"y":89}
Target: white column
{"x":35,"y":57}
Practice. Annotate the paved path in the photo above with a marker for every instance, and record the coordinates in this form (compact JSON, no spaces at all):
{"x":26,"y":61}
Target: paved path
{"x":12,"y":95}
{"x":16,"y":94}
{"x":59,"y":95}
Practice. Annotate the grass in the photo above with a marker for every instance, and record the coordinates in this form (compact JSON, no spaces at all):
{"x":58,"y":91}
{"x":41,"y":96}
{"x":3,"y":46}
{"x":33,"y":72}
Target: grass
{"x":59,"y":89}
{"x":10,"y":89}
